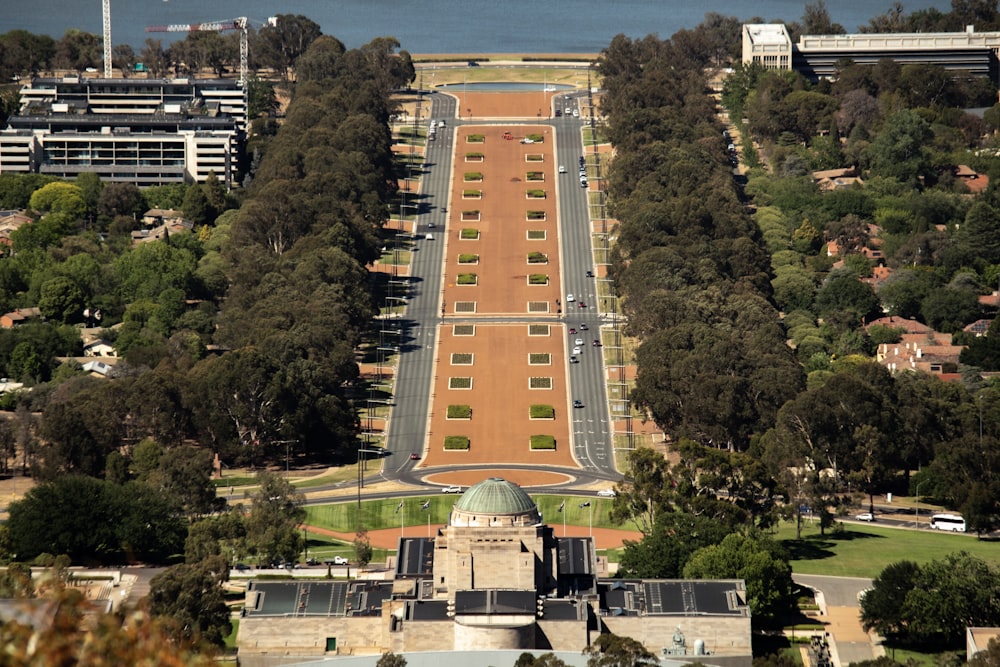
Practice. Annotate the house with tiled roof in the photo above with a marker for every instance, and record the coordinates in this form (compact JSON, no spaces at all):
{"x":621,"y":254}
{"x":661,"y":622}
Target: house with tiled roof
{"x":19,"y":316}
{"x":931,"y":352}
{"x":973,"y":180}
{"x":836,"y":179}
{"x":908,"y":325}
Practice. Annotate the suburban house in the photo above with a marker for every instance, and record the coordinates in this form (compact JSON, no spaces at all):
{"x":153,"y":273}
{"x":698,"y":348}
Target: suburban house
{"x":930,"y":352}
{"x":19,"y":316}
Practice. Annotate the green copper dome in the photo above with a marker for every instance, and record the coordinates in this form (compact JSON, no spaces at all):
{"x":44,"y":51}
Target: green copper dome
{"x":496,"y":496}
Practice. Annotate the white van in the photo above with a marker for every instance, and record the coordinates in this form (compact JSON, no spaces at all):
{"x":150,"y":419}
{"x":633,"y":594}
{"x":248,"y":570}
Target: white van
{"x":430,"y":237}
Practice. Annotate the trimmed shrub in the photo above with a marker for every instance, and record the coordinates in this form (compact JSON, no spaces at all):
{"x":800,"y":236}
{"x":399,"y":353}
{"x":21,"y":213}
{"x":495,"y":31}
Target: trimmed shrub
{"x":536,"y":215}
{"x":474,"y":194}
{"x":459,"y":412}
{"x":536,"y":194}
{"x":467,"y":279}
{"x":468,"y":258}
{"x":459,"y":442}
{"x":536,"y":137}
{"x":470,"y":234}
{"x":542,"y":411}
{"x":537,"y":258}
{"x":538,"y":279}
{"x":536,"y":176}
{"x":473,"y":176}
{"x":543,"y":442}
{"x":476,"y":138}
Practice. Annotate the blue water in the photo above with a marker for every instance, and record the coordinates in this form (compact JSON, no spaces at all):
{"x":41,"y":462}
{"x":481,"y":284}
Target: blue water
{"x":504,"y":86}
{"x":437,"y":26}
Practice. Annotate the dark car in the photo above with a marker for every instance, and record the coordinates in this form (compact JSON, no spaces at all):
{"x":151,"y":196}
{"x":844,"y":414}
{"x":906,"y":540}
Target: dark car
{"x":590,"y":274}
{"x":473,"y":63}
{"x":242,"y":567}
{"x":558,"y":112}
{"x":597,"y":342}
{"x":581,"y":304}
{"x":577,"y":403}
{"x":583,"y":326}
{"x":414,"y":456}
{"x":574,"y":359}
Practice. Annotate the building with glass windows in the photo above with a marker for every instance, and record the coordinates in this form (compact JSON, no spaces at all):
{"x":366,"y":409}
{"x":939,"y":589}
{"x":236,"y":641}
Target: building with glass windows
{"x":142,"y":131}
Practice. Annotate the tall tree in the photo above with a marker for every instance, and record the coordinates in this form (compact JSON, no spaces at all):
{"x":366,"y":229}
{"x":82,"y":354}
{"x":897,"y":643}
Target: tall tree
{"x":273,"y":523}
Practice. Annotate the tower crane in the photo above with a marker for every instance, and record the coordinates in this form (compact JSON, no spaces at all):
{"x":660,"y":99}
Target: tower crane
{"x":213,"y":26}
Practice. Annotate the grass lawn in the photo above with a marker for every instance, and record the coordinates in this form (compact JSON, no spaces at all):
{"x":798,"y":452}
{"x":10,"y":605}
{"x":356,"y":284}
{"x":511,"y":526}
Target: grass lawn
{"x":863,"y":551}
{"x":230,"y":639}
{"x":378,"y":514}
{"x":917,"y":659}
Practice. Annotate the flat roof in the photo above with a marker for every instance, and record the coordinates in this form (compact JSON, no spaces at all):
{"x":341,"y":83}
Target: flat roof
{"x":767,"y":33}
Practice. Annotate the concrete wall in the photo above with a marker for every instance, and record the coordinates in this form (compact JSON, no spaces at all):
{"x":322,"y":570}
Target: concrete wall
{"x":723,"y":636}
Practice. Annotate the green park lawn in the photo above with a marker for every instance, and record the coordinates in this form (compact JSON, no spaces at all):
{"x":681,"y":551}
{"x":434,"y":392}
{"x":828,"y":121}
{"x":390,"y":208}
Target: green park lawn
{"x":863,"y":551}
{"x":379,"y":514}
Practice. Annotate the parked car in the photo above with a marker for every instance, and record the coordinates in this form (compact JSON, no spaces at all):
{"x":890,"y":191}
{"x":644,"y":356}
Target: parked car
{"x":451,"y":489}
{"x":577,"y":403}
{"x":865,"y":516}
{"x":242,"y":567}
{"x":336,"y":560}
{"x":606,"y":493}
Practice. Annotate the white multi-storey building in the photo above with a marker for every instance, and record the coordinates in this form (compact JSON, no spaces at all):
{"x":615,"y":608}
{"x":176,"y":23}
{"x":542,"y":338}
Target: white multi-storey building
{"x":142,"y":131}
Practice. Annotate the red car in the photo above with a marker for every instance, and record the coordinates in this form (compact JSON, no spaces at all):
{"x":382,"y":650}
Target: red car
{"x":414,"y":456}
{"x":581,"y":304}
{"x":572,"y":330}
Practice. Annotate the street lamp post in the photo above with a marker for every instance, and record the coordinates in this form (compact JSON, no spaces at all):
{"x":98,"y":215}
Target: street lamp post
{"x":361,"y":476}
{"x":591,"y":520}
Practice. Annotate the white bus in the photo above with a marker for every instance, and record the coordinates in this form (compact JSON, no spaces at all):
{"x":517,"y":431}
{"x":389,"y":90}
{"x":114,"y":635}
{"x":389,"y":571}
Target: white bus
{"x":953,"y":522}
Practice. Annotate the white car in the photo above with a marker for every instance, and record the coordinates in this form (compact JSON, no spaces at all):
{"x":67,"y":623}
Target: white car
{"x":570,"y":298}
{"x":430,"y":237}
{"x":606,"y":493}
{"x":451,"y":489}
{"x":562,"y":169}
{"x":441,"y":123}
{"x":336,"y":560}
{"x":578,"y":341}
{"x":576,"y":113}
{"x":865,"y":516}
{"x":577,"y":350}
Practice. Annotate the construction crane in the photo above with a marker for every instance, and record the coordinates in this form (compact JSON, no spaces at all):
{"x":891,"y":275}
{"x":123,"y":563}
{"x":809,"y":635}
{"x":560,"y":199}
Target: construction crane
{"x":212,"y":26}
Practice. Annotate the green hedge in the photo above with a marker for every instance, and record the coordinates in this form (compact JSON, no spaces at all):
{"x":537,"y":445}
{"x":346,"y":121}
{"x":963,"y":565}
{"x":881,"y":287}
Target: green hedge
{"x":541,"y":411}
{"x":474,"y":156}
{"x":459,"y":412}
{"x":538,"y":279}
{"x":536,"y":194}
{"x":468,"y":258}
{"x":543,"y":442}
{"x":536,"y":215}
{"x":467,"y":279}
{"x":537,"y":138}
{"x":536,"y":176}
{"x":537,"y":258}
{"x":469,"y":233}
{"x":472,"y":193}
{"x":476,"y":138}
{"x":473,"y":176}
{"x":456,"y":442}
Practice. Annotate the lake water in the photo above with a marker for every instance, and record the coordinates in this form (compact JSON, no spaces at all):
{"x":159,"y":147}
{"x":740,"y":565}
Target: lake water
{"x":436,"y":26}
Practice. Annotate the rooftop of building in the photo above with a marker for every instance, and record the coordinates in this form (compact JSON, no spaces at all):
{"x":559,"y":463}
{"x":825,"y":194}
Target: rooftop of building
{"x":767,"y":33}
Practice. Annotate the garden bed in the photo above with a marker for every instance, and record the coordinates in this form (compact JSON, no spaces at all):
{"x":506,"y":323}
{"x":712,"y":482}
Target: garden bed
{"x":539,"y":359}
{"x":543,"y":442}
{"x":539,"y":383}
{"x":474,"y":157}
{"x":538,"y":279}
{"x":467,"y":279}
{"x":537,"y":258}
{"x":469,"y":234}
{"x":459,"y":412}
{"x":536,"y":235}
{"x":473,"y":177}
{"x":468,"y":258}
{"x":458,"y":442}
{"x":472,"y":194}
{"x":535,"y":194}
{"x":536,"y":215}
{"x":476,"y":139}
{"x":542,"y":411}
{"x":459,"y":383}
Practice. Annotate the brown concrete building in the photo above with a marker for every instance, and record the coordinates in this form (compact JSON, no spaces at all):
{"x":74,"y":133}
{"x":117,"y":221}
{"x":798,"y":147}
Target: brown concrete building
{"x":495,"y":578}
